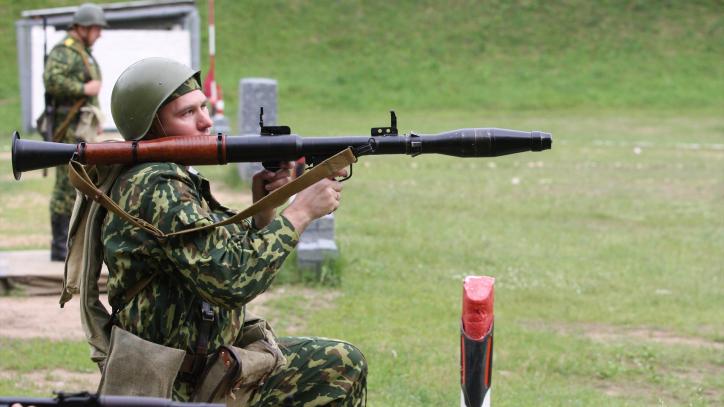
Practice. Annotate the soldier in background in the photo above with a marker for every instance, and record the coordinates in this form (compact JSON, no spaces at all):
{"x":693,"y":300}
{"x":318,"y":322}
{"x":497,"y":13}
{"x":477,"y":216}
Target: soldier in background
{"x":72,"y":81}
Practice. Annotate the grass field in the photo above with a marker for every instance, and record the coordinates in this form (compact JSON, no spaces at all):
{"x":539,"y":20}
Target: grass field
{"x":608,"y":250}
{"x":455,"y":55}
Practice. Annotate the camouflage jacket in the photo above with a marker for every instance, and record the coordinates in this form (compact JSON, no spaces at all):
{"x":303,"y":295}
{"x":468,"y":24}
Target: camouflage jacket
{"x":65,"y":73}
{"x":225,"y":266}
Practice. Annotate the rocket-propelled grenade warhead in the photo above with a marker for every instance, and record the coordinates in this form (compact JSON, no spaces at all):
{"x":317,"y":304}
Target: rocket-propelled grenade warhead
{"x":476,"y":341}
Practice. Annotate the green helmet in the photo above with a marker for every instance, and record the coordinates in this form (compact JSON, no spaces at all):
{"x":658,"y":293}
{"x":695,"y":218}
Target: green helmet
{"x":141,"y":90}
{"x":89,"y":14}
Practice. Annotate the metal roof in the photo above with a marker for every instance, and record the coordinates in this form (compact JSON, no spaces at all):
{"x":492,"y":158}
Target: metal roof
{"x":135,"y":10}
{"x":111,"y":7}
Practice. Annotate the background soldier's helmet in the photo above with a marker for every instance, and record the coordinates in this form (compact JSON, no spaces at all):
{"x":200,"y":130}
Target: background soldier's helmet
{"x":141,"y":90}
{"x":89,"y":14}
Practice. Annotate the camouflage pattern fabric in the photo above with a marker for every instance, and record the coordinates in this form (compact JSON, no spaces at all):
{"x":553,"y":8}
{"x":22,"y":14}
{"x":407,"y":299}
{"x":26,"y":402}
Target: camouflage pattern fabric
{"x":64,"y":76}
{"x":191,"y":84}
{"x":63,"y":195}
{"x":319,"y":372}
{"x":225,"y":266}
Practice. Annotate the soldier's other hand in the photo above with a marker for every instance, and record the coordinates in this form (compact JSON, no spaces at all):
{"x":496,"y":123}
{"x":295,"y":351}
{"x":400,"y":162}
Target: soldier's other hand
{"x":279,"y":178}
{"x":314,"y":202}
{"x":92,"y":88}
{"x":266,"y":181}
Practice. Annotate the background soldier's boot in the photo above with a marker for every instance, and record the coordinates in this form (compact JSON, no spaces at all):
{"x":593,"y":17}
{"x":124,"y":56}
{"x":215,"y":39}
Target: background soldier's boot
{"x":58,"y":245}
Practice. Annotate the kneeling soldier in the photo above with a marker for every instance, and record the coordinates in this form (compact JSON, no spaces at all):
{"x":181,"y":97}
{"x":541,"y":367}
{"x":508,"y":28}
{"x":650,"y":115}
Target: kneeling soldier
{"x":194,"y":287}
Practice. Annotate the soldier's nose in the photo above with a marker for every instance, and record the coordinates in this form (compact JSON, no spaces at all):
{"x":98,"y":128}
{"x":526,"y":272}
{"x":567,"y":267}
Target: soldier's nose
{"x":204,"y":121}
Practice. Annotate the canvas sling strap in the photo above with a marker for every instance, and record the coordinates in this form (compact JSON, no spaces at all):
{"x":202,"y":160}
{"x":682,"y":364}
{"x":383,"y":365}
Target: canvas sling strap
{"x":326,"y":169}
{"x":72,"y":113}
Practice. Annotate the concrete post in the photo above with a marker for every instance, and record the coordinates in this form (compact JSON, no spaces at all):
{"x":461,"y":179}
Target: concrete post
{"x":253,"y":94}
{"x":317,"y":243}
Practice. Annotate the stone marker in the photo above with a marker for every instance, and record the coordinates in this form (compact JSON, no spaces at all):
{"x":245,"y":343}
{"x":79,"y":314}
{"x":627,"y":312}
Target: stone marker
{"x":316,"y":244}
{"x":255,"y":93}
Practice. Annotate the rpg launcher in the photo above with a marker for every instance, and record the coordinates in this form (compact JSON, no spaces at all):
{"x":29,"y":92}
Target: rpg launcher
{"x":275,"y":145}
{"x":86,"y":399}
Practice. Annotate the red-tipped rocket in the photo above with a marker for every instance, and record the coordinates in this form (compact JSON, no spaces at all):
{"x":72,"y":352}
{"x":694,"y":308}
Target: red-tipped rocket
{"x":476,"y":341}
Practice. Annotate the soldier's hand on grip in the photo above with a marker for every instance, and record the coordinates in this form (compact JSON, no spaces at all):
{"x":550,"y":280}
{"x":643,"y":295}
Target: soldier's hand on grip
{"x":314,"y":202}
{"x":264,"y":182}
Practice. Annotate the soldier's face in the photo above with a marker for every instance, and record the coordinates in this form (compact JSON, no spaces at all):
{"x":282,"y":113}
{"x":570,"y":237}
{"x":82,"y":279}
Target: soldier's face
{"x":91,"y":34}
{"x":187,"y":115}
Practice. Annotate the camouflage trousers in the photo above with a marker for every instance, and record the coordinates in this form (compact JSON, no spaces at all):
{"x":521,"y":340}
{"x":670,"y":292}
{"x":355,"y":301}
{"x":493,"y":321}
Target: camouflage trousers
{"x":319,"y":372}
{"x":63,"y":196}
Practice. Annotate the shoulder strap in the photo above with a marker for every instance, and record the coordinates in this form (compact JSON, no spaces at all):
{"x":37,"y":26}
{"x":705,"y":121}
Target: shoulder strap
{"x":78,"y":47}
{"x":127,"y":297}
{"x":58,"y":135}
{"x":84,"y":263}
{"x":327,"y":168}
{"x":138,"y":287}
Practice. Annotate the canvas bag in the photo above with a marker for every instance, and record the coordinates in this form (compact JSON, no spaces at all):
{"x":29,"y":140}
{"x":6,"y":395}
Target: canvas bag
{"x":137,"y":367}
{"x":234,"y":373}
{"x":85,"y":259}
{"x":90,"y":122}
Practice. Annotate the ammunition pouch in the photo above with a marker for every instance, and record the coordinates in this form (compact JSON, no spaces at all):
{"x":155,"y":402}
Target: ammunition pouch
{"x":90,"y":121}
{"x":234,"y":373}
{"x":231,"y":375}
{"x":137,"y":367}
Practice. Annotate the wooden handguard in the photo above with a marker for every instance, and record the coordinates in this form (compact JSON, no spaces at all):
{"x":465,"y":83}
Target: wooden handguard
{"x":196,"y":150}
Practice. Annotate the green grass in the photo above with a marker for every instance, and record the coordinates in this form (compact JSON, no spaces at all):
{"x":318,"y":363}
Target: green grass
{"x":593,"y":233}
{"x":21,"y":358}
{"x":472,"y":54}
{"x":606,"y":242}
{"x":327,"y":274}
{"x":71,"y":355}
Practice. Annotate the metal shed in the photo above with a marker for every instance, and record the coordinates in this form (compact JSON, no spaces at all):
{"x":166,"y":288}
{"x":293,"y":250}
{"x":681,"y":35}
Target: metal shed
{"x":137,"y":30}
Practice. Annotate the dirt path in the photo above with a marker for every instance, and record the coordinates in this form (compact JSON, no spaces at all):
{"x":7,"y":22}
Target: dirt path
{"x":41,"y":317}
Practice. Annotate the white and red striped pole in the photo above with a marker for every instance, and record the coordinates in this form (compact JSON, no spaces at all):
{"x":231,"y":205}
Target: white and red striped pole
{"x":476,"y":341}
{"x":211,"y":89}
